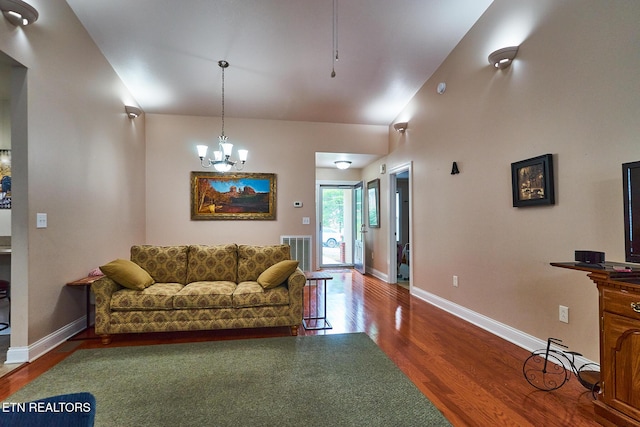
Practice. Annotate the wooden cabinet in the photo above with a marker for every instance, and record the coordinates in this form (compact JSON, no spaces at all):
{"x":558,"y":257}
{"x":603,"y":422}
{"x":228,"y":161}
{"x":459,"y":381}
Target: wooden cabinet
{"x":619,"y":403}
{"x":620,"y":350}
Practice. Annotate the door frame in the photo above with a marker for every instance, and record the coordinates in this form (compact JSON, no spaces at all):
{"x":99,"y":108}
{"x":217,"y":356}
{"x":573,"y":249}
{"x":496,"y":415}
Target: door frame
{"x":318,"y":244}
{"x":361,"y":267}
{"x":393,"y":249}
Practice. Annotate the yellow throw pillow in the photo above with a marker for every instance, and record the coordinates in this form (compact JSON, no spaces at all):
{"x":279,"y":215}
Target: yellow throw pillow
{"x":128,"y":274}
{"x":277,"y":273}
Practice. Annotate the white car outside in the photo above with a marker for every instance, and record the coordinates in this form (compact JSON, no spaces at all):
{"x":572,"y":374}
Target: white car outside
{"x":331,"y":237}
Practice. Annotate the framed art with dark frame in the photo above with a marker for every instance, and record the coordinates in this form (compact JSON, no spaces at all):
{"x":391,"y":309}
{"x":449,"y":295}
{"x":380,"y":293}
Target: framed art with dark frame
{"x":373,"y":203}
{"x":532,"y":181}
{"x":216,"y":195}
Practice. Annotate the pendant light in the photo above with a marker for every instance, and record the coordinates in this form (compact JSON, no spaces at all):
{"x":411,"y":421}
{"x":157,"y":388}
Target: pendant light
{"x":221,"y":161}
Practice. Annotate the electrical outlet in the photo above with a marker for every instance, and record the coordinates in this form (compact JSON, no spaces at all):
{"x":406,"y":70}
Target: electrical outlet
{"x":455,"y":281}
{"x":564,"y":314}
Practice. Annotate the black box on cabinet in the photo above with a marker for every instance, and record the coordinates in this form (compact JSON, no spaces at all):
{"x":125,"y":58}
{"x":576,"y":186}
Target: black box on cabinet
{"x":590,"y":257}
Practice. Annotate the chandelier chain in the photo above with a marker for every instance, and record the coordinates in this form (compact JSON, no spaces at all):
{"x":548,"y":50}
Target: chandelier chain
{"x":223,"y":67}
{"x":334,"y":49}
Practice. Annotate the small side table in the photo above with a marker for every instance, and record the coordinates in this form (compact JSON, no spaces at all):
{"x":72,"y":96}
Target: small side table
{"x":319,"y":321}
{"x":85,"y":283}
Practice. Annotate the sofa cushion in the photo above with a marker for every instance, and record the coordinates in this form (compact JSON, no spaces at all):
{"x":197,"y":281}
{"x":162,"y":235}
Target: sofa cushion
{"x":127,"y":273}
{"x":251,"y":294}
{"x":277,"y":273}
{"x":166,"y":264}
{"x":253,"y":260}
{"x":158,"y":296}
{"x":205,"y":295}
{"x":212,"y":263}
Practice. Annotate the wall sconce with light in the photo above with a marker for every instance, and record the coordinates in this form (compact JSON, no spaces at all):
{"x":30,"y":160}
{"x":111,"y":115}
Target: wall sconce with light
{"x":18,"y":12}
{"x":401,"y":126}
{"x":221,"y":161}
{"x":132,"y":112}
{"x":502,"y":58}
{"x":342,"y":164}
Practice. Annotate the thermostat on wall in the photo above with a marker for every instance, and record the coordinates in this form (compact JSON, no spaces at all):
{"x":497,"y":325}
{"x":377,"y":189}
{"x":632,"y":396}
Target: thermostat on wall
{"x":297,"y":204}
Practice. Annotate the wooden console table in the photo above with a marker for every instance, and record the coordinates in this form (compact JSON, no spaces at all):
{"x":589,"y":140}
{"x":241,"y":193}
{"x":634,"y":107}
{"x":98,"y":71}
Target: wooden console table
{"x":619,"y":306}
{"x":85,"y":283}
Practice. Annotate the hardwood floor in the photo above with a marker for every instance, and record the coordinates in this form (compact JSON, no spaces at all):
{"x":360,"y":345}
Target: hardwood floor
{"x":472,"y":376}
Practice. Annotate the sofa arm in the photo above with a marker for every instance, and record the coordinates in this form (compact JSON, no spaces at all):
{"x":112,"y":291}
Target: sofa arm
{"x":103,"y":289}
{"x":296,"y":283}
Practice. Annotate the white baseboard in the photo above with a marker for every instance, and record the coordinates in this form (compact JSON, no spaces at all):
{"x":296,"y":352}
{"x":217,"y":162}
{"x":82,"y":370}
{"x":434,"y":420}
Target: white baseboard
{"x":506,"y":332}
{"x":378,"y":274}
{"x":43,"y":345}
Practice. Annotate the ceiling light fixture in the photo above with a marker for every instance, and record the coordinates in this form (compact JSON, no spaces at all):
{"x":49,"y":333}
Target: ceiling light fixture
{"x":401,"y":126}
{"x":18,"y":12}
{"x":342,"y":164}
{"x":132,"y":112}
{"x":502,"y":58}
{"x":222,"y":158}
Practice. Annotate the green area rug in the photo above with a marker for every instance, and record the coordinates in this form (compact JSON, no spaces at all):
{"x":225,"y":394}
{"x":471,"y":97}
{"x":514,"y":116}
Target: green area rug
{"x":332,"y":380}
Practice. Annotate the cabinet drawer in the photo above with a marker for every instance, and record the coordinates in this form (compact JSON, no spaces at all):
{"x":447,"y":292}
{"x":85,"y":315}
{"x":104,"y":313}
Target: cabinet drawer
{"x":621,"y":302}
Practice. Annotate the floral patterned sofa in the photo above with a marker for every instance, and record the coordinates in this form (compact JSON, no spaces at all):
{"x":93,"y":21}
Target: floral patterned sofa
{"x":199,"y":287}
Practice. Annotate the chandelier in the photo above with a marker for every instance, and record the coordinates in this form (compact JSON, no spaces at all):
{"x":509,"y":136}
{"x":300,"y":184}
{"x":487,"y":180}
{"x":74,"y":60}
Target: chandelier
{"x":221,"y":161}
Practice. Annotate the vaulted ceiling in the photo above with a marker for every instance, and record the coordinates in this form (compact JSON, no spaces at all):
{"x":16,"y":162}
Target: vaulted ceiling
{"x":280,"y":53}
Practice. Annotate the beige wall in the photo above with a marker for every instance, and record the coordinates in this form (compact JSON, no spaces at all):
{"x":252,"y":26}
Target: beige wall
{"x":284,"y":148}
{"x":337,"y":175}
{"x":5,"y":110}
{"x":573,"y":92}
{"x":75,"y":157}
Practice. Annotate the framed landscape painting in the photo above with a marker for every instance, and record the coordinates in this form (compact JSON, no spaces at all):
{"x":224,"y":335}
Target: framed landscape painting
{"x":216,"y":195}
{"x":532,"y":181}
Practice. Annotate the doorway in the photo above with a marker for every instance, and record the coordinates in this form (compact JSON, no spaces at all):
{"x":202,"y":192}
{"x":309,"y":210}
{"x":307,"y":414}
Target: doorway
{"x":336,"y":224}
{"x":5,"y":202}
{"x":400,"y":228}
{"x":14,"y":235}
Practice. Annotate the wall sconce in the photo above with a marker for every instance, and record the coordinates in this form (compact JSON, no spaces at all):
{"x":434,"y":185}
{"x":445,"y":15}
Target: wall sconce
{"x":401,"y":126}
{"x":18,"y":12}
{"x":342,"y":164}
{"x":454,"y":169}
{"x":502,"y":58}
{"x":132,"y":112}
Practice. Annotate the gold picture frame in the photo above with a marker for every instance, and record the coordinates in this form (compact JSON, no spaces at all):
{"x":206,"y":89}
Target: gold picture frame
{"x":240,"y":196}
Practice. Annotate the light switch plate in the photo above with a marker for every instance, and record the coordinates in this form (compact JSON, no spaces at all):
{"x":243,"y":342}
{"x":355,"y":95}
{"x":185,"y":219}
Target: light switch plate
{"x":41,"y":220}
